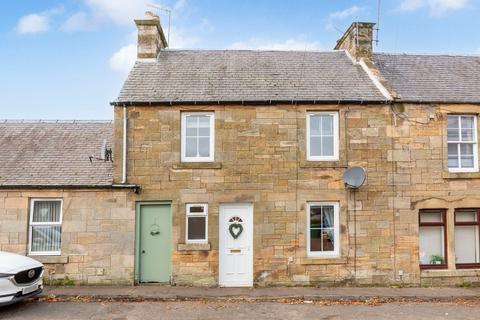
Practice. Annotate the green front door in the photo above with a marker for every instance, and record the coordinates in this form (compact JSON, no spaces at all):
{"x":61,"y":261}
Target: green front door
{"x":154,"y":248}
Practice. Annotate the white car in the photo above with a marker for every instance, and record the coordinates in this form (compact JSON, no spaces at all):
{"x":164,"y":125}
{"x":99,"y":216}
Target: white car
{"x":20,"y":277}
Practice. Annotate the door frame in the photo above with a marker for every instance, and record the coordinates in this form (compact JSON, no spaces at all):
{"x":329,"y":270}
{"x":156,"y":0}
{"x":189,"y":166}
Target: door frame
{"x":250,"y":207}
{"x":138,"y":206}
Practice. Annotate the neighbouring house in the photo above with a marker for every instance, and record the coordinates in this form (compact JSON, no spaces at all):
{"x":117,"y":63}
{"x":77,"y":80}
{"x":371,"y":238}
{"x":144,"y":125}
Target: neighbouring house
{"x":58,"y":203}
{"x":228,"y":171}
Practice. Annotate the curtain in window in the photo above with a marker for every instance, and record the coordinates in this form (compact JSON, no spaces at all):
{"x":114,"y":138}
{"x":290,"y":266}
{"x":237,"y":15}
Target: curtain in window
{"x":46,"y":238}
{"x":45,"y":226}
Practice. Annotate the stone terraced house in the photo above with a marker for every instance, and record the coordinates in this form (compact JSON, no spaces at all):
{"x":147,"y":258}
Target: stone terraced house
{"x":228,"y":170}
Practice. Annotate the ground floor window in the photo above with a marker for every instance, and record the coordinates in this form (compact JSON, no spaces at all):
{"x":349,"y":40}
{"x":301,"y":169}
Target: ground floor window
{"x":467,"y":223}
{"x":432,"y":239}
{"x":196,"y":223}
{"x":45,"y":229}
{"x":323,"y":229}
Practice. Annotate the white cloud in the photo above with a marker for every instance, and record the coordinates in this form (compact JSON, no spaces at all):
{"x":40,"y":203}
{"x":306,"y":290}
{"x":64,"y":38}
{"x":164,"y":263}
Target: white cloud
{"x":79,"y":21}
{"x":435,"y":7}
{"x":33,"y":23}
{"x":37,"y":22}
{"x":119,"y":11}
{"x":298,"y":44}
{"x":341,"y":15}
{"x":122,"y":60}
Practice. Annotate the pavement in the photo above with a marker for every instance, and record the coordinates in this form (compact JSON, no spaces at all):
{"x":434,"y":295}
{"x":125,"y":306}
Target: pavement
{"x":152,"y":293}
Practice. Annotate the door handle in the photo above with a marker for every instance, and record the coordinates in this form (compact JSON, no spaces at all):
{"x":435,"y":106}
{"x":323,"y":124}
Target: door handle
{"x":143,"y":251}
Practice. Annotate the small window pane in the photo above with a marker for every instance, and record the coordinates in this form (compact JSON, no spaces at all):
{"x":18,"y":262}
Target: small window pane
{"x":196,"y":228}
{"x":191,"y":126}
{"x":467,"y":135}
{"x":431,"y":217}
{"x":453,"y":162}
{"x":204,"y":126}
{"x":453,"y":122}
{"x":46,"y":211}
{"x":468,"y":122}
{"x":466,"y":244}
{"x":467,"y":162}
{"x":196,"y":209}
{"x":453,"y":149}
{"x":327,"y":144}
{"x":453,"y":135}
{"x":191,"y":147}
{"x":327,"y":125}
{"x":466,"y":216}
{"x":466,"y":149}
{"x":315,"y":217}
{"x":204,"y":147}
{"x":315,"y":125}
{"x":45,"y":238}
{"x":315,"y":146}
{"x":327,"y":219}
{"x":431,"y":245}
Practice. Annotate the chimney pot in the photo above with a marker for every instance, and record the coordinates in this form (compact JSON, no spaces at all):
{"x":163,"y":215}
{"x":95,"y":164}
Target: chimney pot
{"x":357,"y":40}
{"x":151,"y":38}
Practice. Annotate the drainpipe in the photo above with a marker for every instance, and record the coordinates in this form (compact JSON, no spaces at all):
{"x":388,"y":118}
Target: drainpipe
{"x":124,"y":157}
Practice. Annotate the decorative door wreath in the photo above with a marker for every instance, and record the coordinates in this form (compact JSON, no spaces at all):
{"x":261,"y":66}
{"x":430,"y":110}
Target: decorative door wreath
{"x":235,"y":228}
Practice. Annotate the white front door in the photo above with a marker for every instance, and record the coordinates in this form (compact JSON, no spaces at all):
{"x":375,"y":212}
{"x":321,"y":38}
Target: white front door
{"x":236,"y":245}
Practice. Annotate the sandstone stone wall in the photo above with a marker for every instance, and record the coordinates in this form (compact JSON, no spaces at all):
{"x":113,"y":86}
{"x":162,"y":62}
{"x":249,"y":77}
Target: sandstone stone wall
{"x":97,"y":234}
{"x":422,"y":181}
{"x":260,"y":158}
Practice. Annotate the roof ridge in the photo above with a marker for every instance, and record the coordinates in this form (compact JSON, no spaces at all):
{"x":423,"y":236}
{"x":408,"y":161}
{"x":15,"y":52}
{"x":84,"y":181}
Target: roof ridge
{"x":249,"y":50}
{"x":52,"y":121}
{"x":473,"y":55}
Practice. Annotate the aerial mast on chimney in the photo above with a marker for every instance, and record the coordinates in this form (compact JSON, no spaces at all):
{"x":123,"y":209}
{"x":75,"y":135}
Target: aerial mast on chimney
{"x":169,"y":12}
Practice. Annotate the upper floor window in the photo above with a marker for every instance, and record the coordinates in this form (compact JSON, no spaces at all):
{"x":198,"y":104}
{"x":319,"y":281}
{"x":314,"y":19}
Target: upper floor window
{"x":196,"y":223}
{"x":323,"y":229}
{"x":322,"y":136}
{"x":45,"y":228}
{"x":197,"y":136}
{"x":462,"y":143}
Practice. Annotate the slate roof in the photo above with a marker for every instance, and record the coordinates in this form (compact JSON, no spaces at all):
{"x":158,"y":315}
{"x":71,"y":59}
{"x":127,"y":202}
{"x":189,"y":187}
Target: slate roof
{"x":246,"y":75}
{"x":54,"y":153}
{"x":432,"y":78}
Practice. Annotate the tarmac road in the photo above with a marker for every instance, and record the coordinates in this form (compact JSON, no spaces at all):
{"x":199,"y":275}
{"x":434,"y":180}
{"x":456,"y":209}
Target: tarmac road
{"x":38,"y":310}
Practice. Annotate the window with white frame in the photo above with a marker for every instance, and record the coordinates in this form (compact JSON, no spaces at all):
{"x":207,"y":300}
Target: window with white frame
{"x":323,"y":236}
{"x":198,"y":136}
{"x":322,"y":136}
{"x":462,"y":143}
{"x":45,"y":230}
{"x":196,"y":230}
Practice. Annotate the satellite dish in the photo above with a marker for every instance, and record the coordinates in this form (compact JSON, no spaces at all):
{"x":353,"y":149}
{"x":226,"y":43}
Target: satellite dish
{"x":354,"y":177}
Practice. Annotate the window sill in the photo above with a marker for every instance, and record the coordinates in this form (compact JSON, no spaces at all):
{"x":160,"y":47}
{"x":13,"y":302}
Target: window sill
{"x":450,"y":273}
{"x":460,"y":175}
{"x":323,"y":164}
{"x":433,"y":266}
{"x":323,"y":260}
{"x":193,"y":247}
{"x":50,"y":259}
{"x":197,"y":165}
{"x":461,"y":266}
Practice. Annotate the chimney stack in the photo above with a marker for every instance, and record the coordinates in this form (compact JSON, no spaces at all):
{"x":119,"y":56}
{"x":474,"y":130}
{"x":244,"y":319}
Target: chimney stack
{"x":151,"y":38}
{"x":357,"y":40}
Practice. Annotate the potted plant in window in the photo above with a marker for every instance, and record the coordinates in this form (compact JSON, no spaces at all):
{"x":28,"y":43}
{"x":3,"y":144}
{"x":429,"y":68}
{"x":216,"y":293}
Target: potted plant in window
{"x":436,"y":259}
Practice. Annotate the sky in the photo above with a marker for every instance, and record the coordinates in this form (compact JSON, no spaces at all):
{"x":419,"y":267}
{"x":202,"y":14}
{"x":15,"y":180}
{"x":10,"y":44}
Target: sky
{"x":67,"y":59}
